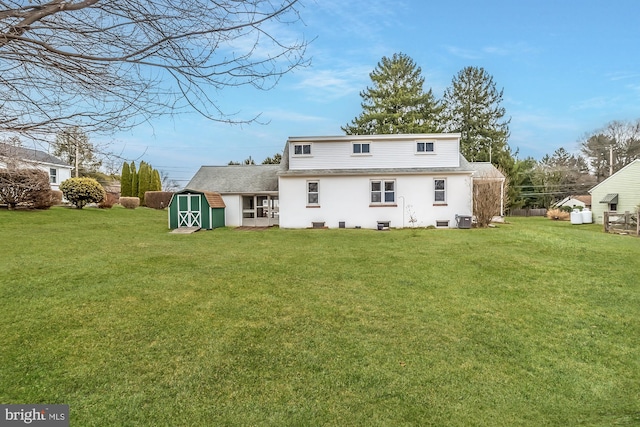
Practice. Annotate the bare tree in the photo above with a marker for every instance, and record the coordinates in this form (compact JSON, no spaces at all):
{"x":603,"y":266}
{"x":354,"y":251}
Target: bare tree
{"x":108,"y":65}
{"x":72,"y":146}
{"x":489,"y":196}
{"x":612,"y":147}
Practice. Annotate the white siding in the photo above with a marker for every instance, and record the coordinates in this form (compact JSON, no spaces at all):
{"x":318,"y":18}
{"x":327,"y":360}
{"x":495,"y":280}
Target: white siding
{"x":233,"y":210}
{"x":626,"y":183}
{"x":62,"y":175}
{"x":385,"y":153}
{"x":347,"y":198}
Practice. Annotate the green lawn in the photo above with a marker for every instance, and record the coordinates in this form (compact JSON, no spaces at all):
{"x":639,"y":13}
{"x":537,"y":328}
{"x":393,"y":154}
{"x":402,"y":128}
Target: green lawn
{"x":533,"y":323}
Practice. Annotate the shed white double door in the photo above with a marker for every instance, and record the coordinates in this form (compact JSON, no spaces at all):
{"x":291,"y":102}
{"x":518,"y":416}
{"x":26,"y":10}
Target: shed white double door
{"x":189,"y":210}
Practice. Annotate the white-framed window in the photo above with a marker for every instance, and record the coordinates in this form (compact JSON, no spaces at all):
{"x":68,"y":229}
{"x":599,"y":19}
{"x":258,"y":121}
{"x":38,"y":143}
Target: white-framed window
{"x":53,"y":175}
{"x":425,"y":147}
{"x":302,"y":149}
{"x":361,"y":148}
{"x":383,"y":191}
{"x":440,"y":191}
{"x":313,"y":193}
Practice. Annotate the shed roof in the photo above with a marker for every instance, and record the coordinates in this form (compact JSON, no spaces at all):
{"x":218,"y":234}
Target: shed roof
{"x":29,"y":154}
{"x":214,"y":199}
{"x":236,"y":179}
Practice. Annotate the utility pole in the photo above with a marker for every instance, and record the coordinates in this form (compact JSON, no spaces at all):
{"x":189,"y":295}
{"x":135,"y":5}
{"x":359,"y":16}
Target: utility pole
{"x":75,"y":139}
{"x":610,"y":160}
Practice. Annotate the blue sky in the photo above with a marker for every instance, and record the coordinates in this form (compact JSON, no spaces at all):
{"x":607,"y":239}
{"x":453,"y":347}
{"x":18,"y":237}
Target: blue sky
{"x":567,"y":68}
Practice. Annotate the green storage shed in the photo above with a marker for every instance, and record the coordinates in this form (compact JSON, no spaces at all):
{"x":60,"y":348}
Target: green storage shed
{"x":193,"y":208}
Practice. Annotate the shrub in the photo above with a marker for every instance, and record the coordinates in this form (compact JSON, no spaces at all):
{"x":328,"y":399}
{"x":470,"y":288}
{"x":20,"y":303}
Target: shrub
{"x":82,"y":191}
{"x":109,"y":200}
{"x":558,"y":214}
{"x":43,"y":200}
{"x":56,"y":197}
{"x":130,"y":202}
{"x":157,"y":199}
{"x":24,"y":187}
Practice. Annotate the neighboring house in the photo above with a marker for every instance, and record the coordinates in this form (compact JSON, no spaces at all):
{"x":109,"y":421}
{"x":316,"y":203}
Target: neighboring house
{"x":25,"y":157}
{"x":352,"y":181}
{"x":583,"y":201}
{"x":618,"y":193}
{"x":250,"y":192}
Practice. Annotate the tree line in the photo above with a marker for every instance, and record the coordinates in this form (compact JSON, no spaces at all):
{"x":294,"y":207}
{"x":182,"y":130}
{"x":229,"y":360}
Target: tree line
{"x":397,"y":102}
{"x":134,"y":183}
{"x":602,"y":152}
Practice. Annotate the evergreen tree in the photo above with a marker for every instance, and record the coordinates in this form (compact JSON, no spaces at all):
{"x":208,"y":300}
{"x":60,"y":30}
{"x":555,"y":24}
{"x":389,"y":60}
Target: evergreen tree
{"x":134,"y":180}
{"x":125,"y":181}
{"x":522,"y":186}
{"x":275,"y":160}
{"x":472,"y":108}
{"x":396,"y":103}
{"x":144,"y":177}
{"x":157,"y":182}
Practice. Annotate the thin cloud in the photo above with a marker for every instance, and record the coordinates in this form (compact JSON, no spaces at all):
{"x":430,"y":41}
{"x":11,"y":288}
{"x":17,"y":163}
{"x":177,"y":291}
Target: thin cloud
{"x":507,"y":49}
{"x":292,"y":116}
{"x":334,"y":84}
{"x":463,"y":53}
{"x":596,"y":103}
{"x":623,"y":75}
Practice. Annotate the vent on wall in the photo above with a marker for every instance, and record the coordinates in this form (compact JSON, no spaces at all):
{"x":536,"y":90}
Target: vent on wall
{"x":442,"y":223}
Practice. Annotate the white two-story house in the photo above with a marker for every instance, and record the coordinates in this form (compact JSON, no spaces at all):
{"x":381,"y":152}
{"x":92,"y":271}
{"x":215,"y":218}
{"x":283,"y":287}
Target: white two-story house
{"x":365,"y":181}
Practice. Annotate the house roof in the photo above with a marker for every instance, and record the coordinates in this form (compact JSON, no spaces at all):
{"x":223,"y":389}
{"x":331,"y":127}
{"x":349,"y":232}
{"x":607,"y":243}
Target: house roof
{"x":486,"y":170}
{"x":29,"y":154}
{"x":379,"y":137}
{"x":236,"y":179}
{"x":465,"y":167}
{"x":586,"y":199}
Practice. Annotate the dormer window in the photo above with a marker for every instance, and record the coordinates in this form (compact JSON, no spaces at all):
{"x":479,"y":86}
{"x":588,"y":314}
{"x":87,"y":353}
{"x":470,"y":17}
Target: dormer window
{"x":361,"y":148}
{"x":425,"y":147}
{"x":302,"y":149}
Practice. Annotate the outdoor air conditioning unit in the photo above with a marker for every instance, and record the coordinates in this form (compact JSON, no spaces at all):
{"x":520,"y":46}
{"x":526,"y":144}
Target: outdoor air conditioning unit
{"x":463,"y":221}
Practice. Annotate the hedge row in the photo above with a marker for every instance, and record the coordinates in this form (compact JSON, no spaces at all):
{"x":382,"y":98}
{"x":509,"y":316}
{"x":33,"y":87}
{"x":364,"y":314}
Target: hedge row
{"x":157,"y":199}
